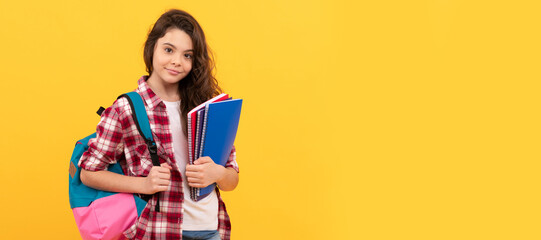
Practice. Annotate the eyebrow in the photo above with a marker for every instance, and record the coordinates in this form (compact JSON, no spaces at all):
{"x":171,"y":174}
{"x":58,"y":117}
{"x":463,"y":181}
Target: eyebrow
{"x":169,"y":44}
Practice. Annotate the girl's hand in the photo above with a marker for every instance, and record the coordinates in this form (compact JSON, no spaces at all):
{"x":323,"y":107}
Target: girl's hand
{"x":158,"y":179}
{"x":203,"y":172}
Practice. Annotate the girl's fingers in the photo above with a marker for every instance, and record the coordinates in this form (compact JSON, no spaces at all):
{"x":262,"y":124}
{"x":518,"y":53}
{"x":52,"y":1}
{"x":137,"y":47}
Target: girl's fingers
{"x":163,"y":170}
{"x":159,"y":181}
{"x":197,"y":185}
{"x":191,"y":168}
{"x":194,"y":175}
{"x":166,"y":165}
{"x":160,"y":175}
{"x":161,"y":185}
{"x":164,"y":176}
{"x":161,"y":178}
{"x":164,"y":183}
{"x":193,"y":180}
{"x":203,"y":160}
{"x":161,"y":188}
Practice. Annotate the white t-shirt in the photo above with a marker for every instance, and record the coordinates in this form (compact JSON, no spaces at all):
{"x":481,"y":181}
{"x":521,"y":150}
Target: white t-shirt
{"x":203,"y":214}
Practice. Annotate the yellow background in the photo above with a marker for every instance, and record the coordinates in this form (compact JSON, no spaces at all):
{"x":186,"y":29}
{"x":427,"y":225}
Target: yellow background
{"x":361,"y":119}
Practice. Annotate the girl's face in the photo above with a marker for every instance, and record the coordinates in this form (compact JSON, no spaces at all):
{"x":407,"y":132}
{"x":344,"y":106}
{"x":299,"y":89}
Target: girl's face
{"x":173,"y":54}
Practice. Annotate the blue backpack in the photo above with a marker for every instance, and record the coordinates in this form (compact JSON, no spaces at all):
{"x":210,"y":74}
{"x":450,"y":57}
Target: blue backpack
{"x":101,"y":214}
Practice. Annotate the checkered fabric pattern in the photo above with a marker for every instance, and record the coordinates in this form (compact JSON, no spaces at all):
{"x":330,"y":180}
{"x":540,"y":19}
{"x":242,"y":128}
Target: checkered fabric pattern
{"x":119,"y":141}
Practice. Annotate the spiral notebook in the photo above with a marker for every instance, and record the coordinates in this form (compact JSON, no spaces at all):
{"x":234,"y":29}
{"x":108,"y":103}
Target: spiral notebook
{"x":214,"y":131}
{"x":192,"y":120}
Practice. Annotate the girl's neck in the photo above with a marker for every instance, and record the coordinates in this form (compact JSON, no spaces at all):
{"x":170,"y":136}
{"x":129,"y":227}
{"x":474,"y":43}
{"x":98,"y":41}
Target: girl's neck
{"x":167,"y":92}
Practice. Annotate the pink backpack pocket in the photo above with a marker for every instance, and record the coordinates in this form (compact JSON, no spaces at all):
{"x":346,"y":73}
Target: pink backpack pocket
{"x":107,"y":217}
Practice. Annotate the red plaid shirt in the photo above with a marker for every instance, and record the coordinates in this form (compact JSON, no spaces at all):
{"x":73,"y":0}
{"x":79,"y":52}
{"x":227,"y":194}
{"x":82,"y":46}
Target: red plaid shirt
{"x":118,"y":140}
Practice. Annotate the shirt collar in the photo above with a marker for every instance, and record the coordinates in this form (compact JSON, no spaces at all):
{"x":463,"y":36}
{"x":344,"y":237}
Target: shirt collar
{"x":152,"y":100}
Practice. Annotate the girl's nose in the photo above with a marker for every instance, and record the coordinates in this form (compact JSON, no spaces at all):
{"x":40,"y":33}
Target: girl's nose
{"x":176,"y":60}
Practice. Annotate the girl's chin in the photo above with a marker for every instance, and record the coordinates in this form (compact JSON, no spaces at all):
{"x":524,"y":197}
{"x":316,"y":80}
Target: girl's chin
{"x":171,"y":79}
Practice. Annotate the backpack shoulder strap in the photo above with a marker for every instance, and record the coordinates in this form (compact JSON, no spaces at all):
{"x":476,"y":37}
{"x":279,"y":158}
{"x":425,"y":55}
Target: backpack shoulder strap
{"x":140,"y":118}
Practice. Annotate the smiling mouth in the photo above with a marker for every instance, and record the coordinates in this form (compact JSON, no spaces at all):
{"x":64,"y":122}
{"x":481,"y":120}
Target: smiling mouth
{"x":174,"y":72}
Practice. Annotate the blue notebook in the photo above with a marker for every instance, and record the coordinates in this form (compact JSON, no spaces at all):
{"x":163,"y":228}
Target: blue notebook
{"x":220,"y":124}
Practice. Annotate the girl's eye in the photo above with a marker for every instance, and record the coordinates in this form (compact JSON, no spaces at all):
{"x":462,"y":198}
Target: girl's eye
{"x":188,"y":56}
{"x":169,"y":50}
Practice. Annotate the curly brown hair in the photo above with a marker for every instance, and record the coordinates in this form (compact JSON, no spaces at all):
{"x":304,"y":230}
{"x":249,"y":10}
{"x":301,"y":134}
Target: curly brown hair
{"x":200,"y":84}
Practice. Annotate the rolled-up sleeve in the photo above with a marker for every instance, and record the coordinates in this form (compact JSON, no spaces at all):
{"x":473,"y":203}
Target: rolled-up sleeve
{"x":104,"y":149}
{"x":232,"y":161}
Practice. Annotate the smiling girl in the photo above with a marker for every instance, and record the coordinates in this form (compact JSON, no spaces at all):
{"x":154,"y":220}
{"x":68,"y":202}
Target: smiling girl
{"x":179,"y":78}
